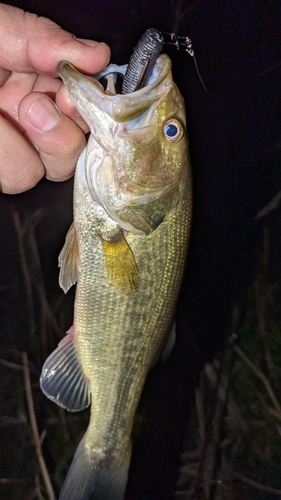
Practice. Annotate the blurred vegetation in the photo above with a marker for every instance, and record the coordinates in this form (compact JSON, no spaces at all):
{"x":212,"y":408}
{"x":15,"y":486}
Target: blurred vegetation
{"x":233,"y":437}
{"x":37,"y":438}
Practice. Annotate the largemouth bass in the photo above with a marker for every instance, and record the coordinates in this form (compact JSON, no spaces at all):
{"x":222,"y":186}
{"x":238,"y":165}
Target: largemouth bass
{"x":126,"y":249}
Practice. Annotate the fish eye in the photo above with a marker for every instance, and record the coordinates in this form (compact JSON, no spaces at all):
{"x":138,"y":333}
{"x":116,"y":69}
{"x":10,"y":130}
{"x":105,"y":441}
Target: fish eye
{"x":173,"y":130}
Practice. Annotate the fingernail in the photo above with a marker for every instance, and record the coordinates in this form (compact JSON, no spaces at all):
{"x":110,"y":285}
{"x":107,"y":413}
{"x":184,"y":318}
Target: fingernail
{"x":44,"y":114}
{"x":85,"y":41}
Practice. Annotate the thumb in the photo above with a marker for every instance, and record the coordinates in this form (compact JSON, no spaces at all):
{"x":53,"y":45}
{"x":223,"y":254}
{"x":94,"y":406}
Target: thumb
{"x":29,"y":44}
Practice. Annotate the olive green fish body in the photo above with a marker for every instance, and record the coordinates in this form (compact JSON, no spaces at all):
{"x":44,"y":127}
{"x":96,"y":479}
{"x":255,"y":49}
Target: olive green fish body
{"x":120,"y":336}
{"x":126,"y":249}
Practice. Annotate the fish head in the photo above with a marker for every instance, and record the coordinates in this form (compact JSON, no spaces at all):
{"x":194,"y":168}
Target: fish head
{"x":136,"y":161}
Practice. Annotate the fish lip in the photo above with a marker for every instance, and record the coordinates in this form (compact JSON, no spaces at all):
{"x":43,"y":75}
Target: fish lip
{"x":119,"y":107}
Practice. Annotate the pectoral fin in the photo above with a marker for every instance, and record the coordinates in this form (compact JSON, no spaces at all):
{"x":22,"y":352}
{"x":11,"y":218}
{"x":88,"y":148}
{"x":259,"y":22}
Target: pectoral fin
{"x":120,"y":265}
{"x":68,"y":261}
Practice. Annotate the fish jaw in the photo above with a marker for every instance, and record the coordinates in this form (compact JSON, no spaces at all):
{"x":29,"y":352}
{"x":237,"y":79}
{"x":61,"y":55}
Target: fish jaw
{"x":131,"y":169}
{"x":121,"y":107}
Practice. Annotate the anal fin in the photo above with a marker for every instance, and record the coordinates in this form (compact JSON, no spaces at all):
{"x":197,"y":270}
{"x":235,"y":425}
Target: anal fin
{"x":62,"y":379}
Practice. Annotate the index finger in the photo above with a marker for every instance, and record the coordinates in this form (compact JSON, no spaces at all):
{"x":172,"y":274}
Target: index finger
{"x":29,"y":43}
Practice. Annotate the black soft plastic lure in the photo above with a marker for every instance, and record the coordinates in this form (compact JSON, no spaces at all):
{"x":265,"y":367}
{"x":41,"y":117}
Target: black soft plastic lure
{"x":143,"y":58}
{"x":142,"y":61}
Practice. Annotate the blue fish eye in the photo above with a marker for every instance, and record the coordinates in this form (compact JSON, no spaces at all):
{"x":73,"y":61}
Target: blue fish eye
{"x":173,"y":130}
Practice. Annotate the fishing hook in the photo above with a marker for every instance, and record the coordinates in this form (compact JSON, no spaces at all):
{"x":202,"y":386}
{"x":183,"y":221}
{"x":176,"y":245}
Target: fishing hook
{"x":185,"y":41}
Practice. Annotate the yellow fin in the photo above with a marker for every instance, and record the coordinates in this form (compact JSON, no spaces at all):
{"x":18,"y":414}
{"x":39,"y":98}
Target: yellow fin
{"x":120,"y":265}
{"x":68,"y":261}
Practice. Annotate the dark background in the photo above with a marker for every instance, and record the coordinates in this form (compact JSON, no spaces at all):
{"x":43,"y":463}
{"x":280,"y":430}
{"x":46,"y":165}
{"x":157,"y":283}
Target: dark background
{"x":234,"y":132}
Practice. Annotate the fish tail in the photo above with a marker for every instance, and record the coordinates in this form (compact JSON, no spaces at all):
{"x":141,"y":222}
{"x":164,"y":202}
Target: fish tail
{"x":93,"y":478}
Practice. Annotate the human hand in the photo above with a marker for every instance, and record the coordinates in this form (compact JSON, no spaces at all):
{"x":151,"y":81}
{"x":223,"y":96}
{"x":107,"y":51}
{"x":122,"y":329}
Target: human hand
{"x":39,"y":137}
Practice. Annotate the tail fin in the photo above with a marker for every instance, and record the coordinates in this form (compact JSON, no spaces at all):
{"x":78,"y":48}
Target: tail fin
{"x":93,"y":478}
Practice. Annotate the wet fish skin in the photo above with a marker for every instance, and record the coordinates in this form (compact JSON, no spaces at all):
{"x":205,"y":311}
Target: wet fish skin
{"x":127,"y":246}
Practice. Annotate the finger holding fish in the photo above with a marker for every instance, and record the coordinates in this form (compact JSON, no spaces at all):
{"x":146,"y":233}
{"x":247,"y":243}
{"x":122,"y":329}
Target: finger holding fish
{"x":68,"y":108}
{"x":60,"y":145}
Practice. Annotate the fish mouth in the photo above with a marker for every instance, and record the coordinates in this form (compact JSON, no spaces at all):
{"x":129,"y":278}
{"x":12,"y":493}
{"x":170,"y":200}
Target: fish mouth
{"x":87,"y":96}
